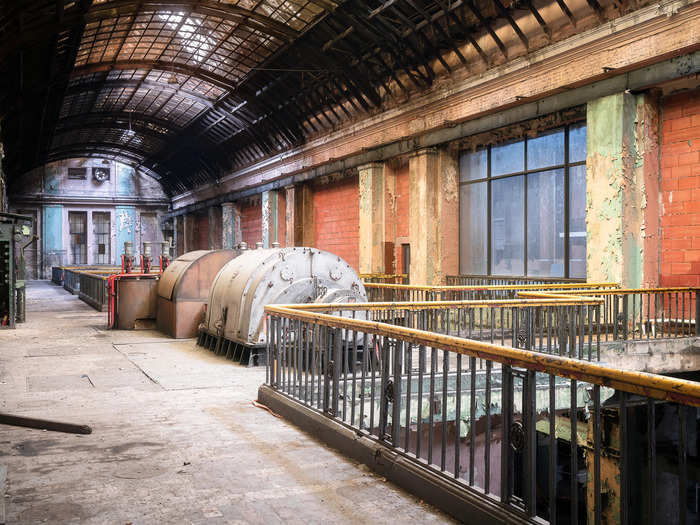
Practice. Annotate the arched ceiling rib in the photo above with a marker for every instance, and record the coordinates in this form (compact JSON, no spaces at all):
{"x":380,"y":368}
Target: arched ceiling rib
{"x":191,"y":89}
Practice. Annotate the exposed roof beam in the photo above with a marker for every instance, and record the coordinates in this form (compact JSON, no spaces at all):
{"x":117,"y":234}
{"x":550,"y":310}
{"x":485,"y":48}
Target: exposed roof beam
{"x":119,"y":83}
{"x":506,"y":14}
{"x":116,"y":117}
{"x":137,"y":128}
{"x":126,"y":65}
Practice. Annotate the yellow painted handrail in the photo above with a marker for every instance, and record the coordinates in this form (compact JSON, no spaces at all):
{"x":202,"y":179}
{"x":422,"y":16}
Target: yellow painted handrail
{"x":433,"y":305}
{"x":618,"y":291}
{"x":427,"y":288}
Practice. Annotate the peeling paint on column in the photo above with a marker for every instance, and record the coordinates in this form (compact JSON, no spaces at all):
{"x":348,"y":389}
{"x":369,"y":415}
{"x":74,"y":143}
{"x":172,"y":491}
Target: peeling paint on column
{"x":228,"y":225}
{"x":126,"y":226}
{"x":372,"y":218}
{"x":52,"y":236}
{"x":615,"y":190}
{"x":269,"y":218}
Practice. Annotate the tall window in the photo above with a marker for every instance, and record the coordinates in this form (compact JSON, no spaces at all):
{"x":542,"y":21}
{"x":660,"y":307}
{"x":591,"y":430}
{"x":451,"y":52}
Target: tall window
{"x":523,"y":206}
{"x":100,"y":227}
{"x":77,"y":224}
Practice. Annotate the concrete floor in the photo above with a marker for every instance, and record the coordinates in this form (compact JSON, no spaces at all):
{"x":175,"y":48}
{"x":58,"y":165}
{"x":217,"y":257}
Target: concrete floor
{"x":175,"y":437}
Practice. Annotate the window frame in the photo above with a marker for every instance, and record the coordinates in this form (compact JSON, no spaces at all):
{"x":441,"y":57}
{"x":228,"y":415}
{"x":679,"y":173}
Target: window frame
{"x":565,"y":166}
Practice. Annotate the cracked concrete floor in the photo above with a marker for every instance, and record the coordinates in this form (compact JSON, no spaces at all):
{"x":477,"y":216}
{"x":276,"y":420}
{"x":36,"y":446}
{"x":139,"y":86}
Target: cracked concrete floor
{"x":175,"y":437}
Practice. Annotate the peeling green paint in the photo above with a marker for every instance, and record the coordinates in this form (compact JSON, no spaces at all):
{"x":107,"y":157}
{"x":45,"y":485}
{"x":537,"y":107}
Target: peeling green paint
{"x":615,"y":190}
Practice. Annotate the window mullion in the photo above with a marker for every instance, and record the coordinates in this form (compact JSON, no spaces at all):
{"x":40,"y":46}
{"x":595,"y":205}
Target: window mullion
{"x":525,"y":208}
{"x":567,"y":247}
{"x":489,"y":259}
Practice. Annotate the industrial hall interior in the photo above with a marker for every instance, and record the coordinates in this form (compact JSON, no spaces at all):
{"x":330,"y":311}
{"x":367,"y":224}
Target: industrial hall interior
{"x":349,"y":262}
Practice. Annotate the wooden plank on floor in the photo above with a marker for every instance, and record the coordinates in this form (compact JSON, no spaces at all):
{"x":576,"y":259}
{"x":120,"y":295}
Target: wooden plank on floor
{"x":3,"y":477}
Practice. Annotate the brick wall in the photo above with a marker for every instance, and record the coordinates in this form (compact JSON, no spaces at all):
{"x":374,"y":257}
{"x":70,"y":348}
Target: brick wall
{"x":251,"y":223}
{"x":337,"y":219}
{"x":680,"y":190}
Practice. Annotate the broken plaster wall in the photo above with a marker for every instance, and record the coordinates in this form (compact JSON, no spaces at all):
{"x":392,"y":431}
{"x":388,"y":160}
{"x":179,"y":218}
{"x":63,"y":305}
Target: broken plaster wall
{"x":619,"y":165}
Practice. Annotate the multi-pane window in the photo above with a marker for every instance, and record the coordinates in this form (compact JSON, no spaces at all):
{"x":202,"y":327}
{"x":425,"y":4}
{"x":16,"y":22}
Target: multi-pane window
{"x":523,"y":206}
{"x":77,"y":225}
{"x":100,"y":226}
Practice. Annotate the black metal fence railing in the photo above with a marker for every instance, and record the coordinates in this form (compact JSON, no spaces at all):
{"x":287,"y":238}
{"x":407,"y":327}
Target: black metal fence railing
{"x":641,"y":313}
{"x":564,"y":327}
{"x":488,"y":280}
{"x":542,"y":436}
{"x":93,"y":290}
{"x":386,"y":292}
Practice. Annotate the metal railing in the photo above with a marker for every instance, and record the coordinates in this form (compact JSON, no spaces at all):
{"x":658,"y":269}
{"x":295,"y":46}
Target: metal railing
{"x":544,"y":437}
{"x":397,"y":278}
{"x":641,"y":313}
{"x":486,"y":280}
{"x":383,"y":292}
{"x":58,"y":274}
{"x":563,"y":325}
{"x":93,"y":289}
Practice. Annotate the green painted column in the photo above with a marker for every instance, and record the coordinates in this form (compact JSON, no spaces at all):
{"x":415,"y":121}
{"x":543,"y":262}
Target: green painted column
{"x":53,"y":252}
{"x":617,"y":191}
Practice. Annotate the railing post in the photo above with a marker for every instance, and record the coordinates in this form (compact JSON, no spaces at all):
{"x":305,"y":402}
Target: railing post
{"x":697,"y":312}
{"x":396,"y":395}
{"x":335,"y":369}
{"x":506,"y":453}
{"x":386,"y":390}
{"x":530,"y":488}
{"x":268,"y":342}
{"x":278,"y":356}
{"x":625,"y":312}
{"x":616,"y":311}
{"x":327,"y":368}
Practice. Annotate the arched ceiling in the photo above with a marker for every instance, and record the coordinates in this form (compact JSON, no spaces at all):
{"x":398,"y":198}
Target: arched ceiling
{"x":188,"y":90}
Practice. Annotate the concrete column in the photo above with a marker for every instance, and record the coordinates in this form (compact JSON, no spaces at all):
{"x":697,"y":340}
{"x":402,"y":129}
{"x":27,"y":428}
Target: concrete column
{"x":215,"y":228}
{"x":125,"y":228}
{"x":307,"y":232}
{"x":53,"y":252}
{"x":179,"y":235}
{"x":269,"y":218}
{"x":622,"y":159}
{"x":373,"y":202}
{"x":433,"y":216}
{"x":423,"y":234}
{"x":448,"y":206}
{"x":174,"y":247}
{"x":290,"y":215}
{"x":190,"y":234}
{"x":228,"y":225}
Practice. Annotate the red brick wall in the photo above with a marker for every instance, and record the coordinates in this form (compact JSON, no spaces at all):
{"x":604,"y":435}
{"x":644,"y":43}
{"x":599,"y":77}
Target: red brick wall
{"x":251,"y":223}
{"x":680,"y":190}
{"x":337,"y":219}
